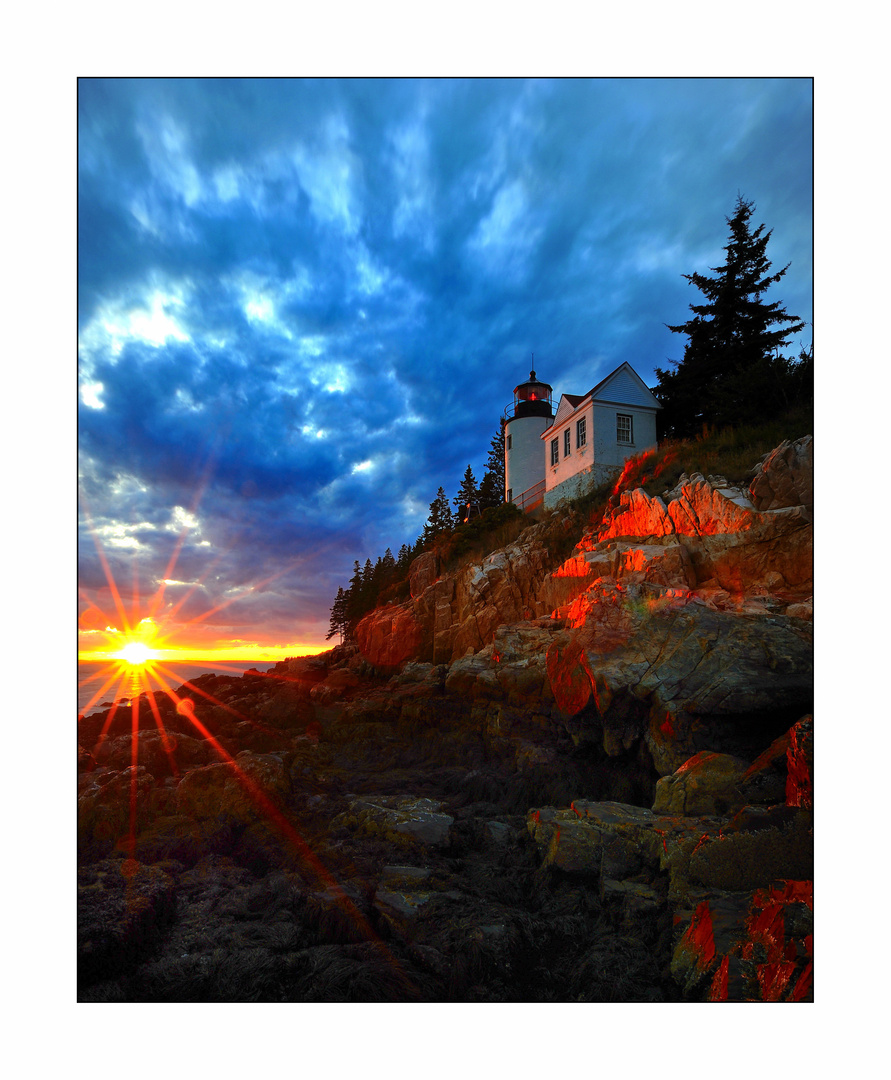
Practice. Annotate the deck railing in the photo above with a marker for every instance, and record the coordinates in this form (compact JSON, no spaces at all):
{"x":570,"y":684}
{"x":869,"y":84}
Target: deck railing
{"x":531,"y":496}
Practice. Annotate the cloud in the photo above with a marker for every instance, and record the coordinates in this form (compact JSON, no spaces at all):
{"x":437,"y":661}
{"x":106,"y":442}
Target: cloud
{"x":303,"y":305}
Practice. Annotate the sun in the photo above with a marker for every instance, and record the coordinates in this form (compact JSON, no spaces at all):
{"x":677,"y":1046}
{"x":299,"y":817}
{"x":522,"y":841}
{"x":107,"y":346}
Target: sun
{"x":137,"y":653}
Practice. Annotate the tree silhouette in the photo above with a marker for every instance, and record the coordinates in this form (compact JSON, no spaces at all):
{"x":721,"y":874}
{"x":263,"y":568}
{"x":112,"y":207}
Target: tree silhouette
{"x":491,"y":489}
{"x":467,"y":494}
{"x":440,"y":519}
{"x":732,"y":369}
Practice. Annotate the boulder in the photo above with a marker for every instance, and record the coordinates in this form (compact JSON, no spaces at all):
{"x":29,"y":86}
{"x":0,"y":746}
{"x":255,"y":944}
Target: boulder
{"x":683,"y":679}
{"x":338,"y":684}
{"x":726,"y":537}
{"x":390,"y":635}
{"x":611,"y":840}
{"x":420,"y":820}
{"x":746,"y":946}
{"x":786,"y":476}
{"x":162,"y":753}
{"x":113,"y":805}
{"x":708,"y":783}
{"x":246,"y":790}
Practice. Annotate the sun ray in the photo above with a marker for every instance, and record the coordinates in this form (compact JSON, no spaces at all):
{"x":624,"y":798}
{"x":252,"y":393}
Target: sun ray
{"x":183,"y":599}
{"x":159,"y":723}
{"x":101,"y":691}
{"x":288,"y":831}
{"x":143,"y":671}
{"x":243,"y":592}
{"x":181,"y":539}
{"x":265,"y":728}
{"x":109,"y":577}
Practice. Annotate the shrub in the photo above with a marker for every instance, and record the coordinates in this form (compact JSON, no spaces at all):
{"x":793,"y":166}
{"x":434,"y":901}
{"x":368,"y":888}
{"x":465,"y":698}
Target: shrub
{"x":752,"y":860}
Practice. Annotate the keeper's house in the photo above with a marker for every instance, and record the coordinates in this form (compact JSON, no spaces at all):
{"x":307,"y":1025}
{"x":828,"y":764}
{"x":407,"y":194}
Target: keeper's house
{"x":593,"y":435}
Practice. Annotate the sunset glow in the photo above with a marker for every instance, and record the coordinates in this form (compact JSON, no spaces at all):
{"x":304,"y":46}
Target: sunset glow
{"x":134,"y":630}
{"x":137,"y":653}
{"x":132,"y":636}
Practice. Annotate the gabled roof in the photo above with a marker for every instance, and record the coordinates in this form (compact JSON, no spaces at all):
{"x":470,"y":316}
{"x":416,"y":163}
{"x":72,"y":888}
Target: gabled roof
{"x":621,"y":387}
{"x":624,"y":387}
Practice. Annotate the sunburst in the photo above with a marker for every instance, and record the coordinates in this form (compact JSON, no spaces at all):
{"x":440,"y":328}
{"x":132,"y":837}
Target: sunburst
{"x":138,"y":668}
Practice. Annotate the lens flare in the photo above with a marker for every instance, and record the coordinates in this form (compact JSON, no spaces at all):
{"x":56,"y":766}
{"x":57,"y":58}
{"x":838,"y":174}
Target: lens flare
{"x":137,"y":653}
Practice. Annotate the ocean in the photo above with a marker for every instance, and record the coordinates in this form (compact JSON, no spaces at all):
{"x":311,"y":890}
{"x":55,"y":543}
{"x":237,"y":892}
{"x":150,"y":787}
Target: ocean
{"x":91,"y":681}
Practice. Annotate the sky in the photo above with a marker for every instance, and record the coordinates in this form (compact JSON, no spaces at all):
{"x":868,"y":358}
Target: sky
{"x":303,"y":306}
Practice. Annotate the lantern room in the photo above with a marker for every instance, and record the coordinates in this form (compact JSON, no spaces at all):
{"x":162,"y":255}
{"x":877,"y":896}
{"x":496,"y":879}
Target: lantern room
{"x":533,"y":398}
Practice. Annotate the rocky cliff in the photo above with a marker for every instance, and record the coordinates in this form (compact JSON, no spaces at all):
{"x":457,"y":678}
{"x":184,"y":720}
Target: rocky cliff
{"x":543,"y":777}
{"x":679,"y":622}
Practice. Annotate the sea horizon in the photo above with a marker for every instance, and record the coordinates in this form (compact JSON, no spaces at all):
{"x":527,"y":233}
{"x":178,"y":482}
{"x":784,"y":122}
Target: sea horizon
{"x":121,"y":688}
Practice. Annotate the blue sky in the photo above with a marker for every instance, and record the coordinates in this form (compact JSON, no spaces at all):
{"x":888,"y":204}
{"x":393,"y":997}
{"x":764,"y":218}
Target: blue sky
{"x":303,"y":305}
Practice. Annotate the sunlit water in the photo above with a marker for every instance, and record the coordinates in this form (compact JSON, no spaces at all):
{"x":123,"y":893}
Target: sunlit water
{"x":88,"y":685}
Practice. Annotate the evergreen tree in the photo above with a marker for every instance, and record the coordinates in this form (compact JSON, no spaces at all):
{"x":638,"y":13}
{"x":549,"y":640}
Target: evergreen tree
{"x":491,"y":489}
{"x":354,"y":593}
{"x":367,"y":587}
{"x":339,"y":620}
{"x":467,"y":494}
{"x":440,"y":519}
{"x":732,"y":369}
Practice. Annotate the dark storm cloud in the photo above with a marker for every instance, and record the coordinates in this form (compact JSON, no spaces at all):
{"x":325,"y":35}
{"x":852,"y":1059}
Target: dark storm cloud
{"x":309,"y":301}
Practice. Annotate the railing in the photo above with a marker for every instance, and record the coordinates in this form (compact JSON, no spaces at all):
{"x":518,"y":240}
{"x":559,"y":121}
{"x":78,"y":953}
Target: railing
{"x":511,"y":408}
{"x":530,"y":496}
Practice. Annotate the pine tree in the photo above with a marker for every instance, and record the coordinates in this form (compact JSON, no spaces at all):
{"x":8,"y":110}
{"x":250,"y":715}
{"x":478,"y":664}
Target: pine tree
{"x":440,"y":519}
{"x":354,"y":593}
{"x":467,"y":495}
{"x":491,"y":489}
{"x":732,"y":368}
{"x":339,"y":620}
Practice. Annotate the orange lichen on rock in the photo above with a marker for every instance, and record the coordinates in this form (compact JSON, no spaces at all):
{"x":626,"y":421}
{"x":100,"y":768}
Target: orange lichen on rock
{"x":570,"y":677}
{"x":718,"y":989}
{"x":699,"y":937}
{"x":799,"y":785}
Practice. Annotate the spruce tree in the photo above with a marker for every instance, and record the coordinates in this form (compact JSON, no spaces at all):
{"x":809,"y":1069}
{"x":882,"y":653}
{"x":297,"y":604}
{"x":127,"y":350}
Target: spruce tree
{"x":440,"y":519}
{"x":354,"y":593}
{"x":467,"y":494}
{"x":732,"y":370}
{"x":491,"y":489}
{"x":339,"y":620}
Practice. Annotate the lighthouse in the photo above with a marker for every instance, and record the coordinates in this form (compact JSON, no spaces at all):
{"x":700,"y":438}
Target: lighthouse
{"x":531,"y":413}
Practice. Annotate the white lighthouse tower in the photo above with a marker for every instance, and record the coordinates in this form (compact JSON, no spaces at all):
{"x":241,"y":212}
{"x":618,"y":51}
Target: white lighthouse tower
{"x":531,"y":413}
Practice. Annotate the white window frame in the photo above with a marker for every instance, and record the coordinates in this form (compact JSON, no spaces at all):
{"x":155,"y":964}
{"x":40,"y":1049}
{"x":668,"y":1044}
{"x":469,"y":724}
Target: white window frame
{"x":581,"y":433}
{"x":567,"y":443}
{"x":555,"y":451}
{"x":619,"y":429}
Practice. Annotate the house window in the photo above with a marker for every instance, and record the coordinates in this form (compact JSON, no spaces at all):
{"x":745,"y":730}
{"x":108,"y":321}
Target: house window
{"x":624,"y":429}
{"x":567,"y":443}
{"x":510,"y":494}
{"x":555,"y":451}
{"x":581,"y":433}
{"x":509,"y":442}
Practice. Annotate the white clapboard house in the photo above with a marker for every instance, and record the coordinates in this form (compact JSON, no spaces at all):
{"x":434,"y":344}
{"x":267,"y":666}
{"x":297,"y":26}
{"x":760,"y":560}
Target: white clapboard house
{"x":550,"y":457}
